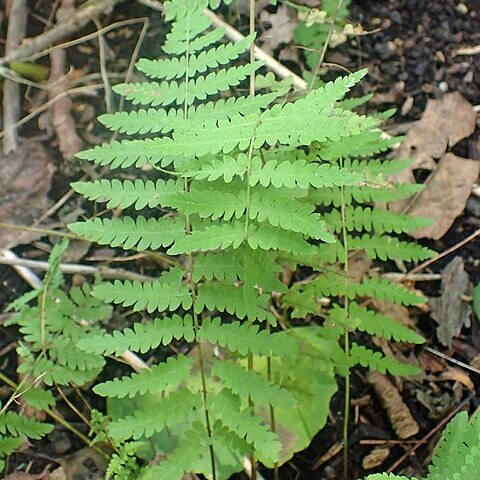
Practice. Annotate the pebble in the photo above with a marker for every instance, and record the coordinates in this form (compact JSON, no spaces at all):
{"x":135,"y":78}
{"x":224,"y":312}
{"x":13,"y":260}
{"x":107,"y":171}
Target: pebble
{"x":473,"y":206}
{"x":462,"y":8}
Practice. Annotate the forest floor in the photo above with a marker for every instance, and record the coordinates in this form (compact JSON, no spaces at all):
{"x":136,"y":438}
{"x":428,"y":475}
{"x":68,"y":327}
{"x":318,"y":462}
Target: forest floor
{"x":424,"y":60}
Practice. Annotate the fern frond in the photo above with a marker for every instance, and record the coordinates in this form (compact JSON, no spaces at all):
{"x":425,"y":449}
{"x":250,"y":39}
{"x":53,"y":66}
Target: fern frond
{"x":145,"y":296}
{"x":364,"y":194}
{"x":244,"y":338}
{"x":375,"y":323}
{"x":289,"y":215}
{"x":226,"y":407}
{"x":375,"y":360}
{"x":367,"y":219}
{"x":250,"y":384}
{"x":389,"y":248}
{"x":155,"y":380}
{"x":38,"y":398}
{"x":20,"y":426}
{"x":178,"y":406}
{"x":179,"y":67}
{"x":213,"y":237}
{"x":223,"y":266}
{"x":227,"y":297}
{"x":334,"y":284}
{"x":226,"y":167}
{"x":388,"y":476}
{"x":300,"y":174}
{"x":142,"y":337}
{"x":165,"y":93}
{"x":127,"y":232}
{"x":456,"y":454}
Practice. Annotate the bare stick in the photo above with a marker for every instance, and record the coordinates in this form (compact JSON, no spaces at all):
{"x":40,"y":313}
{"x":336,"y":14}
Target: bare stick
{"x":72,"y":268}
{"x":17,"y":22}
{"x":60,"y":31}
{"x":460,"y":244}
{"x":63,"y":122}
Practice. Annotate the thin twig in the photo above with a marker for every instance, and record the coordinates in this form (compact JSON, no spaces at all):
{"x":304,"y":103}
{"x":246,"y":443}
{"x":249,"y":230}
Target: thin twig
{"x":17,"y":22}
{"x":31,"y":46}
{"x":424,"y":439}
{"x":73,"y":268}
{"x":452,"y":360}
{"x":448,"y":251}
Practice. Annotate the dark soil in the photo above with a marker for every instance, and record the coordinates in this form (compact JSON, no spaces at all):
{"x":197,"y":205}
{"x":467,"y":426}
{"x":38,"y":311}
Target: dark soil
{"x":415,"y":45}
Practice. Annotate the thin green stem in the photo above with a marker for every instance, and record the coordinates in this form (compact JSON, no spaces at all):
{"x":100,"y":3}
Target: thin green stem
{"x":276,"y":473}
{"x":325,"y":45}
{"x":346,"y":338}
{"x":250,"y":155}
{"x":192,"y":287}
{"x":56,"y":416}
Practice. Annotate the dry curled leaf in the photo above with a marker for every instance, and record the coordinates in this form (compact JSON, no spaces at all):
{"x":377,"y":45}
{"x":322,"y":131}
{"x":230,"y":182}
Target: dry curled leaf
{"x":376,"y":457}
{"x":24,"y":184}
{"x":443,"y":124}
{"x":445,"y":195}
{"x":398,"y":413}
{"x":450,"y":310}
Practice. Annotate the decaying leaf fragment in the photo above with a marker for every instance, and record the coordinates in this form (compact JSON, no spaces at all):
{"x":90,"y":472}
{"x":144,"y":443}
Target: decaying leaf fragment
{"x":450,"y":310}
{"x":24,"y":184}
{"x":443,"y":124}
{"x":398,"y":413}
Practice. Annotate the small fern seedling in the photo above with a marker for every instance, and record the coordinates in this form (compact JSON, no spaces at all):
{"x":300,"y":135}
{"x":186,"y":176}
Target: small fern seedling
{"x":239,"y":179}
{"x":51,"y":323}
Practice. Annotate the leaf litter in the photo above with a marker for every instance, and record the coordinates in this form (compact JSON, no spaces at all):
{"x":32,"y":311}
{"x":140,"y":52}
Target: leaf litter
{"x":444,"y":123}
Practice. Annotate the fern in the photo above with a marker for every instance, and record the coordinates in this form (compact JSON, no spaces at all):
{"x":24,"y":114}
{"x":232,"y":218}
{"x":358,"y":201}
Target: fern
{"x":250,"y":174}
{"x":457,"y":454}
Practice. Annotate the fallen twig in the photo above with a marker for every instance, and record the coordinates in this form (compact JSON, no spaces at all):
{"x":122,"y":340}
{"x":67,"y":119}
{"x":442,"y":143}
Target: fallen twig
{"x":73,"y":268}
{"x":83,"y":15}
{"x":64,"y":124}
{"x":17,"y":21}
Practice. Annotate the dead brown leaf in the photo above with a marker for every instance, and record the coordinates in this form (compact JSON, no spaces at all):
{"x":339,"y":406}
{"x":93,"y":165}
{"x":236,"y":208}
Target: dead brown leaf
{"x":443,"y":124}
{"x":445,"y":195}
{"x":20,"y":476}
{"x":450,"y":310}
{"x":376,"y":457}
{"x":283,"y":23}
{"x":398,"y":413}
{"x":24,"y":184}
{"x":85,"y":463}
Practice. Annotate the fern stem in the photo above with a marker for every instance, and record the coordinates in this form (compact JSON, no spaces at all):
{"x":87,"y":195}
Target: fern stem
{"x":196,"y":325}
{"x":346,"y":337}
{"x":250,"y":155}
{"x":57,"y":417}
{"x":276,"y":473}
{"x":326,"y":44}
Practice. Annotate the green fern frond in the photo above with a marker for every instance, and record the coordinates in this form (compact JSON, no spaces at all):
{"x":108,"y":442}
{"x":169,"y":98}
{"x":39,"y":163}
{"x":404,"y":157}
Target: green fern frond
{"x":334,"y":284}
{"x":179,"y":67}
{"x":374,"y":323}
{"x":155,"y":380}
{"x":226,"y":407}
{"x":178,"y":406}
{"x":216,"y":236}
{"x":38,"y":398}
{"x":223,"y":266}
{"x":20,"y":426}
{"x":388,"y":476}
{"x":141,"y":233}
{"x":250,"y":384}
{"x":165,"y":93}
{"x":227,"y":297}
{"x":145,"y":296}
{"x":367,"y":219}
{"x":244,"y":339}
{"x":126,"y":193}
{"x":389,"y":248}
{"x":8,"y":445}
{"x":375,"y":360}
{"x":300,"y":174}
{"x":142,"y":337}
{"x":364,"y":194}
